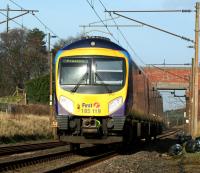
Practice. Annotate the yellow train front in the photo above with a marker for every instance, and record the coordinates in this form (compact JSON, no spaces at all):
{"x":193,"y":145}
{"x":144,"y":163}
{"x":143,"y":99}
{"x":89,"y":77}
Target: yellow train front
{"x":91,"y":92}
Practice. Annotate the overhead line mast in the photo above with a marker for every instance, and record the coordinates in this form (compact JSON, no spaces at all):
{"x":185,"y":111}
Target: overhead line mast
{"x":196,"y":131}
{"x":7,"y":10}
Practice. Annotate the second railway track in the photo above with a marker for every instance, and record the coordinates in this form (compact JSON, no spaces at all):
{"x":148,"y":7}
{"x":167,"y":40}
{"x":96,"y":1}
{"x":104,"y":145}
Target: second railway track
{"x":8,"y":150}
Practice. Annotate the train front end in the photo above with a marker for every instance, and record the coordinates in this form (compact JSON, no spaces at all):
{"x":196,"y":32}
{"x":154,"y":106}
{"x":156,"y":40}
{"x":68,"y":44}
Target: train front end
{"x":91,"y":81}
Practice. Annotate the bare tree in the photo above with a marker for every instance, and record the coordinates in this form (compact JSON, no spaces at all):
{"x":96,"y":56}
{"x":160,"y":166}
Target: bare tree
{"x":36,"y":61}
{"x":22,"y":57}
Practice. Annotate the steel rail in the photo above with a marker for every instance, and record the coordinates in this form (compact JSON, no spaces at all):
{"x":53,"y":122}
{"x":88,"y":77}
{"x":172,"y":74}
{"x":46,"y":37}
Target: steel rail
{"x":96,"y":159}
{"x":170,"y":133}
{"x":8,"y":150}
{"x":84,"y":163}
{"x":11,"y":165}
{"x":24,"y":162}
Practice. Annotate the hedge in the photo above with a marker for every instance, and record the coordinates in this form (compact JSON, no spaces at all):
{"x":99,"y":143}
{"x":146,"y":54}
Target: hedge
{"x":37,"y":90}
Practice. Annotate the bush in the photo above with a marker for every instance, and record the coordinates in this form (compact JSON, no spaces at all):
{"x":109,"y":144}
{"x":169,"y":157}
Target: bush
{"x":37,"y":90}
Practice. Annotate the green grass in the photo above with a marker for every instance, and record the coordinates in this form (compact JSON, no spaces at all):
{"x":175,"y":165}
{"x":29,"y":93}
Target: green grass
{"x":192,"y":158}
{"x":189,"y":162}
{"x":11,"y":99}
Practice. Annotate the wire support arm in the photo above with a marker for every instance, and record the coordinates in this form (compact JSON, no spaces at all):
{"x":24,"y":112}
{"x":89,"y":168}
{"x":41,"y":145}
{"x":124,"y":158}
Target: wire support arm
{"x":150,"y":11}
{"x":22,"y":10}
{"x":13,"y":17}
{"x":154,"y":27}
{"x":90,"y":26}
{"x":101,"y":20}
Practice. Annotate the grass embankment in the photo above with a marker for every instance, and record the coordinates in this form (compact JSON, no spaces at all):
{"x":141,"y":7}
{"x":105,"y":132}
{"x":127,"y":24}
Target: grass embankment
{"x":187,"y":162}
{"x":191,"y":162}
{"x":17,"y":128}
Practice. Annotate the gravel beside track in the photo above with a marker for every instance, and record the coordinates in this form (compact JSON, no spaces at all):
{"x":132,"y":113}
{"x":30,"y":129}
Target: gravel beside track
{"x":142,"y":158}
{"x":140,"y":162}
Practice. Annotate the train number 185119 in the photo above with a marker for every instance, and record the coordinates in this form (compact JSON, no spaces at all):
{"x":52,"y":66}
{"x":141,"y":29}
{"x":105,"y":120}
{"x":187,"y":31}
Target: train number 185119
{"x":91,"y":111}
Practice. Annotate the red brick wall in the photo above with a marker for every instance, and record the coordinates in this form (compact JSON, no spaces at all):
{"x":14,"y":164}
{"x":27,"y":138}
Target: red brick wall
{"x":167,"y":74}
{"x":173,"y":75}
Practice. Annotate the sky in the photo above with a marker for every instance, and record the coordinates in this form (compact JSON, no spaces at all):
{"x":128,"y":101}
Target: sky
{"x":148,"y":46}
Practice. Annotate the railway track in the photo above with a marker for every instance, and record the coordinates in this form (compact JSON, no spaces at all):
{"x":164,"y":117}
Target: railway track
{"x":84,"y":163}
{"x":29,"y":147}
{"x":93,"y":160}
{"x":20,"y":163}
{"x":169,"y":133}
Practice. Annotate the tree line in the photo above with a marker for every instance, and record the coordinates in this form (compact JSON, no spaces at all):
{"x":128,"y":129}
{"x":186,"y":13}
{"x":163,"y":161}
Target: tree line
{"x":23,"y":56}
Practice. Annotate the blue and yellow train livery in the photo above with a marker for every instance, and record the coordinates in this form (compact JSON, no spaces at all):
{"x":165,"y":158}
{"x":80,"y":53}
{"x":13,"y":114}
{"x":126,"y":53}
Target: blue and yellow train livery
{"x":102,"y":96}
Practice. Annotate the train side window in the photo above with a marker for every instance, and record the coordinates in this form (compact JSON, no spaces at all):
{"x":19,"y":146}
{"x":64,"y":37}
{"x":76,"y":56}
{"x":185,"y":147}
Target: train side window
{"x":139,"y":72}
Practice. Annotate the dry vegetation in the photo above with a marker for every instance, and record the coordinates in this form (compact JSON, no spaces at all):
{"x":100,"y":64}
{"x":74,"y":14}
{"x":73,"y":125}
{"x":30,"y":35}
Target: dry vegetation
{"x":15,"y":128}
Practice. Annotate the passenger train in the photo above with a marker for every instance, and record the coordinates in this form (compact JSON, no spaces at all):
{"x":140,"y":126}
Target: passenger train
{"x":102,"y":96}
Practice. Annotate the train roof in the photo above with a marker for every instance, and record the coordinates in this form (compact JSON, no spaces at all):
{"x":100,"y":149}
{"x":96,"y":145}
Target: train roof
{"x":100,"y":42}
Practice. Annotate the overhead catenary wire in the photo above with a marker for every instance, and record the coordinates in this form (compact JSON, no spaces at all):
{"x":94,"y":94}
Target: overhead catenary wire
{"x":8,"y":18}
{"x":92,"y":6}
{"x":97,"y":22}
{"x":173,"y":102}
{"x":122,"y":34}
{"x":41,"y":22}
{"x":16,"y":4}
{"x":154,"y":27}
{"x":180,"y":100}
{"x":12,"y":20}
{"x":95,"y":30}
{"x":21,"y":25}
{"x":187,"y":79}
{"x":164,"y":64}
{"x":45,"y":25}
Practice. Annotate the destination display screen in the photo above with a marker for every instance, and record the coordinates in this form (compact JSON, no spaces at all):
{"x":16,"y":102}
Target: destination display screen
{"x":66,"y":60}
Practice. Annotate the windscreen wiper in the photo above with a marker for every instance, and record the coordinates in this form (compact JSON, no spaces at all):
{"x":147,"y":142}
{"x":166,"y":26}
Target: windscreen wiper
{"x":106,"y":86}
{"x":79,"y":82}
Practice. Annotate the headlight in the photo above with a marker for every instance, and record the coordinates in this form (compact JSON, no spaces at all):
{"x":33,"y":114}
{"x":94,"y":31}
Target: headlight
{"x":115,"y":104}
{"x":67,"y":104}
